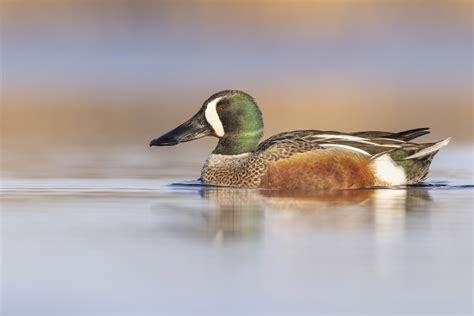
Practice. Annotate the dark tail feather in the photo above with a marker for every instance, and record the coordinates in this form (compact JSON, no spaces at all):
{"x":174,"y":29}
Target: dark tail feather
{"x":410,"y":134}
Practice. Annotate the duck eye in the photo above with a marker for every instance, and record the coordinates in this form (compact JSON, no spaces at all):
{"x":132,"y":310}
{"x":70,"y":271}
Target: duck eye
{"x":221,"y":104}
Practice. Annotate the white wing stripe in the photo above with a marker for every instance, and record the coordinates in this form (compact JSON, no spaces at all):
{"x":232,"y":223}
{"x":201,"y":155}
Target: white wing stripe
{"x":357,"y":139}
{"x":346,"y":137}
{"x":429,"y":150}
{"x":347,"y":147}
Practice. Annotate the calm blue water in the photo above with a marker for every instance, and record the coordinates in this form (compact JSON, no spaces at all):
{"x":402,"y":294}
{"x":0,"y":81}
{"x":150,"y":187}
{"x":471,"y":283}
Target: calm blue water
{"x":135,"y":246}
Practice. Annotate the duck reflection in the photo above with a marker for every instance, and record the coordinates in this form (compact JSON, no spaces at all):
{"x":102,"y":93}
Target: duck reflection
{"x":229,"y":213}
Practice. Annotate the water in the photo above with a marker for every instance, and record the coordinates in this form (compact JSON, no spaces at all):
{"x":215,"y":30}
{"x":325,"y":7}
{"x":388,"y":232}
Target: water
{"x":161,"y":245}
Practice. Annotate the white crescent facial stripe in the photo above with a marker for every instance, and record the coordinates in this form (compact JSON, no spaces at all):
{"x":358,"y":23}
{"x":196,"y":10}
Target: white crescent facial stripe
{"x":213,"y":118}
{"x":346,"y":147}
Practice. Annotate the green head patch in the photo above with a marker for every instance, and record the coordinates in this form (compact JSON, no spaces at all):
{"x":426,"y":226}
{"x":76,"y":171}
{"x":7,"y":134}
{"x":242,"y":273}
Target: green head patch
{"x":236,"y":120}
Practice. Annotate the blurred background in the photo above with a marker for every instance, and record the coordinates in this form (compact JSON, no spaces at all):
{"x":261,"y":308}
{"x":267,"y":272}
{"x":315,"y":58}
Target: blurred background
{"x":94,"y":81}
{"x":90,"y":225}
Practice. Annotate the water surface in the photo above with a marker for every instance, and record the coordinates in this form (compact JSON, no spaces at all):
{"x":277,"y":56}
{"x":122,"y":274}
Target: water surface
{"x":161,"y":245}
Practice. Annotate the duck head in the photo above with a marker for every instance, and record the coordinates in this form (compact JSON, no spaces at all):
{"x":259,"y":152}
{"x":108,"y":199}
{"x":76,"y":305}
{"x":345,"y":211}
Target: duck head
{"x":230,"y":115}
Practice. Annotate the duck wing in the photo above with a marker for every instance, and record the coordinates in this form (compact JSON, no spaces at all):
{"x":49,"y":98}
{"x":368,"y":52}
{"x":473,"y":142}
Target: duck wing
{"x":387,"y":151}
{"x":405,"y":135}
{"x":368,"y":143}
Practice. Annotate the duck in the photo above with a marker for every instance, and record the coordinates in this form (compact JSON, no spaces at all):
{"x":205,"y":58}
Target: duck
{"x":299,"y":160}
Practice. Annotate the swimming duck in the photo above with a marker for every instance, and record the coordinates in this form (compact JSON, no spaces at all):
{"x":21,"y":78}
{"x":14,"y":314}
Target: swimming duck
{"x":298,"y":160}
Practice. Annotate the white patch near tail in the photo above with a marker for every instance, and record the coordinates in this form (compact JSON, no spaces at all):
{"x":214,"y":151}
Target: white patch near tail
{"x":213,"y":118}
{"x":388,"y":172}
{"x":428,"y":150}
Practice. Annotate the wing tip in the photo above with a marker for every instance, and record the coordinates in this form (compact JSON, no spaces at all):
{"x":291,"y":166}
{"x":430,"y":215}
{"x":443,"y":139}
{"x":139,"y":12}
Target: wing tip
{"x":412,"y":133}
{"x":444,"y":142}
{"x":431,"y":149}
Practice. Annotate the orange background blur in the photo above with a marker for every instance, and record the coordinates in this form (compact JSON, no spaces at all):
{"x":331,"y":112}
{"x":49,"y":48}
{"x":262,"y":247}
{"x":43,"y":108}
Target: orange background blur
{"x":123,"y":72}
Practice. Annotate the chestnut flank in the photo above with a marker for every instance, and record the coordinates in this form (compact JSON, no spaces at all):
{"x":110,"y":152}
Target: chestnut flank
{"x":319,"y":169}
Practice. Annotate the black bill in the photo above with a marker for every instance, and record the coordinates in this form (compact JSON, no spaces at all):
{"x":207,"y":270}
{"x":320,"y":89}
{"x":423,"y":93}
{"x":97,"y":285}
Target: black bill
{"x":194,"y":128}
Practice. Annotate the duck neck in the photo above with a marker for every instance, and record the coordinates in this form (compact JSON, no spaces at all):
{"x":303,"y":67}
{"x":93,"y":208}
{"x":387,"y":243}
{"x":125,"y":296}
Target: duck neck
{"x":236,"y":144}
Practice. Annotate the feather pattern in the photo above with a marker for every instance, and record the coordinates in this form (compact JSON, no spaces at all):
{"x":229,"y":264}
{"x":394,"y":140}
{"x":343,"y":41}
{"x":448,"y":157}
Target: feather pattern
{"x":372,"y":143}
{"x":394,"y":150}
{"x":391,"y":158}
{"x":301,"y":159}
